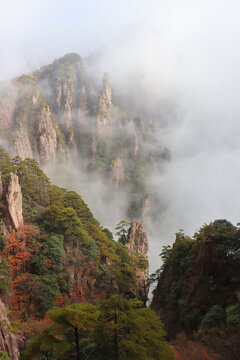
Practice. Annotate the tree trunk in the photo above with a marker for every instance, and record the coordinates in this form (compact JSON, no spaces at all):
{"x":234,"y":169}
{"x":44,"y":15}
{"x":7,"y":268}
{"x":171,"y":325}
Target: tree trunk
{"x":77,"y":343}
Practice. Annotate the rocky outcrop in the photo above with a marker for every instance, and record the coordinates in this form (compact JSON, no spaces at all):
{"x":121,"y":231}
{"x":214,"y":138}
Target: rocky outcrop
{"x":70,"y":84}
{"x":68,"y":89}
{"x":9,"y":342}
{"x":117,"y":171}
{"x":138,"y":246}
{"x":7,"y":106}
{"x":104,"y":118}
{"x":22,"y":144}
{"x":14,"y":201}
{"x":65,"y":101}
{"x":138,"y":242}
{"x":47,"y":142}
{"x":58,"y":113}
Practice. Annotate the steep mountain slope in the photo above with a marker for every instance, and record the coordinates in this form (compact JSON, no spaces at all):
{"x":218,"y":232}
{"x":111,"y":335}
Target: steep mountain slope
{"x":53,"y":251}
{"x":58,"y":114}
{"x":199,"y":285}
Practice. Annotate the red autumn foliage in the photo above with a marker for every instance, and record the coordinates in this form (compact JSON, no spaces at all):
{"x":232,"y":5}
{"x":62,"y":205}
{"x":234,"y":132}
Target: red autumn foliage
{"x":19,"y":248}
{"x":77,"y":293}
{"x":21,"y":245}
{"x":47,"y":320}
{"x":19,"y":295}
{"x":60,"y":300}
{"x":185,"y":349}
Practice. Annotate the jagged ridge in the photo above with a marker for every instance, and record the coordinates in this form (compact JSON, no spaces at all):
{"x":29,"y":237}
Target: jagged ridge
{"x":58,"y":113}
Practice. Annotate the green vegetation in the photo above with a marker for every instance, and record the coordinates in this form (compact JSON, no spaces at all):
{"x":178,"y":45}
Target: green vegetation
{"x":118,"y":329}
{"x":142,"y":262}
{"x":6,"y":166}
{"x":73,"y":258}
{"x":123,"y":231}
{"x":5,"y":278}
{"x":64,"y":257}
{"x":233,"y":314}
{"x":4,"y":355}
{"x":215,"y":317}
{"x":197,"y":284}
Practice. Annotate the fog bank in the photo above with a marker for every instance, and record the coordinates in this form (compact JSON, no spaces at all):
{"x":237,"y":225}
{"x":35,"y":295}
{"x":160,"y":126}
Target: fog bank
{"x":183,"y":54}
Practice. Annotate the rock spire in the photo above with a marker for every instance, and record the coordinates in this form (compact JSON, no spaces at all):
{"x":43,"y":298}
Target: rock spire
{"x":14,"y":200}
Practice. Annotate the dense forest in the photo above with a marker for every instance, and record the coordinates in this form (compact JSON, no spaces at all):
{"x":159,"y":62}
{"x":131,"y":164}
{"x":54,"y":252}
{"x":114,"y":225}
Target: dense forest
{"x":71,"y":289}
{"x":198,"y":291}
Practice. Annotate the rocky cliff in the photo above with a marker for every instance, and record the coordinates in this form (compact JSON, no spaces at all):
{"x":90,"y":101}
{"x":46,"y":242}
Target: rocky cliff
{"x":63,"y":254}
{"x":118,"y":171}
{"x":59,"y":113}
{"x":146,"y":208}
{"x":22,"y":146}
{"x":47,"y":141}
{"x":14,"y":200}
{"x":10,"y":342}
{"x":104,"y":109}
{"x":137,"y":245}
{"x":7,"y":107}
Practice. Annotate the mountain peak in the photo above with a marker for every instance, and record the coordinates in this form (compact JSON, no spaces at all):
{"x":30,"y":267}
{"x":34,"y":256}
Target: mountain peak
{"x":69,"y":58}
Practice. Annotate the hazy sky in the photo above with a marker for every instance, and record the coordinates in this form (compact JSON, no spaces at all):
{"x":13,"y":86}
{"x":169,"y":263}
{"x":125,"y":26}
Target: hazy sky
{"x":187,"y":51}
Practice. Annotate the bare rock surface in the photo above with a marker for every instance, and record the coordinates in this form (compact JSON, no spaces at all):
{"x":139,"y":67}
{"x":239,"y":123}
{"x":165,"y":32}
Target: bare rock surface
{"x":47,"y":136}
{"x":14,"y":200}
{"x":138,"y":245}
{"x":118,"y":171}
{"x":22,"y":144}
{"x":104,"y":118}
{"x":9,"y":342}
{"x":7,"y":106}
{"x":138,"y":242}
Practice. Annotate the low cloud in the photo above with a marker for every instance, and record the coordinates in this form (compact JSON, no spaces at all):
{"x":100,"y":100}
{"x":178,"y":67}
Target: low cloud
{"x":179,"y":63}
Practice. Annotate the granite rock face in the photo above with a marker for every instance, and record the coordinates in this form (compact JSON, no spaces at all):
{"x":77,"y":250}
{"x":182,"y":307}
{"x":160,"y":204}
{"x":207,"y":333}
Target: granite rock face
{"x":104,"y":117}
{"x":138,"y":245}
{"x":22,"y":144}
{"x":14,"y":201}
{"x":138,"y":242}
{"x":7,"y":107}
{"x":9,"y":342}
{"x":59,"y":114}
{"x":117,"y":171}
{"x":47,"y":138}
{"x":67,"y":89}
{"x":146,"y":208}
